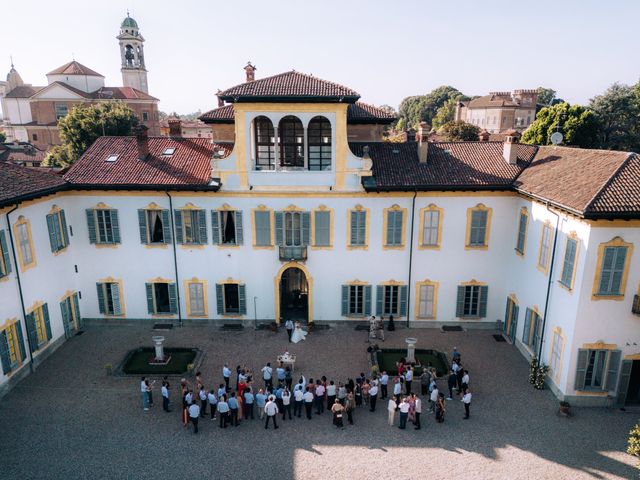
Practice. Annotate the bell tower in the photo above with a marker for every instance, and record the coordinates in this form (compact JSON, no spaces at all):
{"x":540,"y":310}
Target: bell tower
{"x":134,"y":73}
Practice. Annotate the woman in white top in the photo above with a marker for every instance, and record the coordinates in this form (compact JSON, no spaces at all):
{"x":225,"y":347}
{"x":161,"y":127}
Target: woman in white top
{"x":391,"y":409}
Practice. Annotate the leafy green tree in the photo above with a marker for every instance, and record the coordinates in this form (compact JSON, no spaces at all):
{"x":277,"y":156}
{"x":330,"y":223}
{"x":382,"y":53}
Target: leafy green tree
{"x":445,"y":114}
{"x":546,"y":96}
{"x":422,"y":108}
{"x":388,"y":109}
{"x":459,"y":131}
{"x":618,"y":111}
{"x":578,"y":125}
{"x":58,"y":156}
{"x":3,"y":137}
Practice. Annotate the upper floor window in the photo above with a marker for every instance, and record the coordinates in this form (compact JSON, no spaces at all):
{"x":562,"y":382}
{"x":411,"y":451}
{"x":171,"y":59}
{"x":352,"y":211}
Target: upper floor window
{"x":262,"y":228}
{"x":227,"y":227}
{"x":26,"y":255}
{"x":597,"y":369}
{"x":545,"y":247}
{"x":569,"y":263}
{"x":292,"y":228}
{"x":291,"y":134}
{"x":191,"y":227}
{"x":612,"y":268}
{"x":319,"y":134}
{"x":322,"y":220}
{"x":5,"y":261}
{"x":394,"y":227}
{"x":154,"y":225}
{"x":103,"y":225}
{"x":522,"y":231}
{"x":431,"y":226}
{"x":145,"y":116}
{"x":61,"y":110}
{"x":478,"y":225}
{"x":358,"y":227}
{"x":265,"y":144}
{"x":57,"y":226}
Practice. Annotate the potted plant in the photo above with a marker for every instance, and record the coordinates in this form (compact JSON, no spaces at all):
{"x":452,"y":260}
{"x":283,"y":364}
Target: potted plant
{"x":565,"y":408}
{"x":190,"y":367}
{"x":109,"y":369}
{"x":273,"y":326}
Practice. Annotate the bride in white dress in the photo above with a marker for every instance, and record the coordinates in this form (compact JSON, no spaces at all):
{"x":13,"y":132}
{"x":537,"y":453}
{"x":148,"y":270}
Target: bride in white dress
{"x":298,"y":333}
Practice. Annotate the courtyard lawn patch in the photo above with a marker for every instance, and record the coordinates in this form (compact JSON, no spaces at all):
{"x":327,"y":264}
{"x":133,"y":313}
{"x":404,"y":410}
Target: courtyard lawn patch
{"x":388,"y":357}
{"x":137,"y":361}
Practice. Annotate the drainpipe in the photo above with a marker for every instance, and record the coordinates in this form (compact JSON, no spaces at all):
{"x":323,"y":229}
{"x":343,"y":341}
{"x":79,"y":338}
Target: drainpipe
{"x":175,"y":257}
{"x":546,"y":301}
{"x":413,"y":209}
{"x":17,"y":265}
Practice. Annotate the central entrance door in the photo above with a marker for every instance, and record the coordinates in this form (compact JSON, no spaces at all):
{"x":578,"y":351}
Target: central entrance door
{"x":294,"y":295}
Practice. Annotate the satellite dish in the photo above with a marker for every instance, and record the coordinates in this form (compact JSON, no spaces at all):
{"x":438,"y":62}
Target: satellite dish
{"x":556,"y":138}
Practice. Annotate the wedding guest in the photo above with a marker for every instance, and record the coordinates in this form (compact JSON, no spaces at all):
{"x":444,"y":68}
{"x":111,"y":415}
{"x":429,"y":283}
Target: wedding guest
{"x":286,"y":403}
{"x":373,"y":396}
{"x":298,"y":400}
{"x":233,"y":409}
{"x":222,"y":390}
{"x":417,"y":409}
{"x":331,"y":394}
{"x":194,"y":414}
{"x":281,"y":373}
{"x":271,"y":410}
{"x":350,"y":406}
{"x":320,"y":390}
{"x":337,"y":409}
{"x":248,"y":403}
{"x":465,"y":381}
{"x":435,"y":394}
{"x":226,"y":374}
{"x":408,"y":379}
{"x":198,"y":380}
{"x":425,"y":380}
{"x":261,"y":400}
{"x":165,"y":396}
{"x":202,"y":394}
{"x":213,"y":404}
{"x":289,"y":326}
{"x":308,"y":401}
{"x":452,"y":380}
{"x":288,"y":379}
{"x":342,"y":393}
{"x":267,"y":373}
{"x":440,"y":408}
{"x":397,"y":387}
{"x":404,"y":413}
{"x":366,"y":386}
{"x":466,"y":399}
{"x":358,"y":394}
{"x":223,"y":411}
{"x":384,"y":382}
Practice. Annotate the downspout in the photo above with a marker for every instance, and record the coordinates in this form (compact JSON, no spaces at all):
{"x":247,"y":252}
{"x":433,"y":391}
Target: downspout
{"x":413,"y":209}
{"x":546,"y":301}
{"x":175,"y":257}
{"x":17,"y":265}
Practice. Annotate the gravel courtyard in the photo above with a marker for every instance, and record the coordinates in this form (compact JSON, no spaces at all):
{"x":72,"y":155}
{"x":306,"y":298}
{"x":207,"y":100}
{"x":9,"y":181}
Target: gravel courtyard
{"x":69,"y":420}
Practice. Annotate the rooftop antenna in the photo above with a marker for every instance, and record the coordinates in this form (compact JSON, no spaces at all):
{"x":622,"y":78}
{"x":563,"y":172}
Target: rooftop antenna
{"x":11,"y":57}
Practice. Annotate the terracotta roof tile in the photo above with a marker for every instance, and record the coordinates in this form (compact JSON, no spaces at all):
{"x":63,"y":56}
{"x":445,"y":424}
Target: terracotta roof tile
{"x":622,"y":194}
{"x":218,"y":115}
{"x":489,"y":101}
{"x":74,"y":68}
{"x":23,"y":91}
{"x":17,"y":182}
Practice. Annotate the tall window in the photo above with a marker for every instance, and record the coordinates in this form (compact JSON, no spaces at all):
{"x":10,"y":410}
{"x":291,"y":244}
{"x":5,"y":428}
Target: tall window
{"x":358,"y":228}
{"x":161,"y":298}
{"x":70,"y":314}
{"x":291,"y":133}
{"x":356,"y":300}
{"x":322,"y":228}
{"x":262,"y":228}
{"x":511,"y":319}
{"x":531,"y":331}
{"x":227,"y":227}
{"x":25,"y":246}
{"x":57,"y":226}
{"x":39,"y":326}
{"x":191,"y":227}
{"x":391,"y":300}
{"x":61,"y":110}
{"x":431,"y":227}
{"x":265,"y":144}
{"x":569,"y":263}
{"x":292,"y":228}
{"x":522,"y":231}
{"x":545,"y":247}
{"x":231,"y":299}
{"x":472,"y":301}
{"x":103,"y":226}
{"x":109,"y":298}
{"x":597,"y":369}
{"x":556,"y":353}
{"x":5,"y":260}
{"x":319,"y":134}
{"x":196,"y":300}
{"x":478,"y":223}
{"x":12,"y":351}
{"x":155,"y":226}
{"x":426,"y":305}
{"x":394,"y":230}
{"x":613,"y":267}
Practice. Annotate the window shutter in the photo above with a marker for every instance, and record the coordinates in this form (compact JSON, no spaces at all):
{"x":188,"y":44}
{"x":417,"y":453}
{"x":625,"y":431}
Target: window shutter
{"x":484,"y":294}
{"x":215,"y":227}
{"x":178,"y":219}
{"x":173,"y":298}
{"x":115,"y":226}
{"x":535,"y":318}
{"x":278,"y":226}
{"x":354,"y":228}
{"x":514,"y":323}
{"x":220,"y":299}
{"x":527,"y":327}
{"x":150,"y":304}
{"x":242,"y":299}
{"x":306,"y":228}
{"x":403,"y":300}
{"x":32,"y":332}
{"x":202,"y":224}
{"x":142,"y":225}
{"x":166,"y":227}
{"x":521,"y":232}
{"x":91,"y":225}
{"x":391,"y":221}
{"x":76,"y":309}
{"x":5,"y":255}
{"x":115,"y":296}
{"x":65,"y":233}
{"x":101,"y":304}
{"x":367,"y":300}
{"x":4,"y":352}
{"x":379,"y":299}
{"x":612,"y":370}
{"x":263,"y":228}
{"x":581,"y":371}
{"x":506,"y":315}
{"x":618,"y":270}
{"x":345,"y":300}
{"x":623,"y":384}
{"x":47,"y":322}
{"x":607,"y":267}
{"x":460,"y":302}
{"x":362,"y":227}
{"x":569,"y":259}
{"x":65,"y":318}
{"x":239,"y":229}
{"x":322,"y":224}
{"x":23,"y":354}
{"x":53,"y":236}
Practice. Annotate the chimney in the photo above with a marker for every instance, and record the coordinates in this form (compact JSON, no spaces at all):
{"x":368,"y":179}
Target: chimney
{"x":423,"y":142}
{"x":142,"y":141}
{"x":250,"y":71}
{"x":483,"y":136}
{"x":175,"y":127}
{"x":220,"y":101}
{"x":510,"y":149}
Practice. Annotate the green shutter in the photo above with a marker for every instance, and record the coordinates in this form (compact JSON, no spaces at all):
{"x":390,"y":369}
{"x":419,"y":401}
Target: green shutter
{"x":215,"y":227}
{"x":306,"y":228}
{"x":56,"y":227}
{"x":173,"y":298}
{"x":242,"y":299}
{"x":202,"y":227}
{"x":178,"y":218}
{"x":607,"y":270}
{"x":115,"y":298}
{"x":23,"y":353}
{"x":623,"y":384}
{"x":612,"y":370}
{"x":402,"y":291}
{"x":514,"y":323}
{"x":220,"y":299}
{"x":345,"y":300}
{"x":354,"y":228}
{"x":527,"y":327}
{"x":53,"y":234}
{"x":569,"y":260}
{"x":367,"y":300}
{"x":142,"y":225}
{"x":91,"y":225}
{"x":379,"y":299}
{"x":484,"y":295}
{"x":239,"y":229}
{"x":460,"y":302}
{"x":506,"y":315}
{"x":5,"y":255}
{"x":47,"y":322}
{"x":4,"y":353}
{"x":263,"y":229}
{"x":150,"y":304}
{"x":581,"y":370}
{"x":322,"y":224}
{"x":535,"y":343}
{"x":101,"y":303}
{"x":63,"y":223}
{"x":522,"y":230}
{"x":278,"y":226}
{"x":64,"y":309}
{"x":166,"y":226}
{"x":115,"y":226}
{"x":391,"y":217}
{"x":618,"y":270}
{"x":362,"y":228}
{"x":76,"y":309}
{"x":32,"y":332}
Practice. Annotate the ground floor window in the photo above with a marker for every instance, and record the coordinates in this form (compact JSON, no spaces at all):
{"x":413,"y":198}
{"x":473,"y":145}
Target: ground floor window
{"x":531,"y":331}
{"x":12,"y":351}
{"x":197,"y":304}
{"x":391,"y":300}
{"x":556,"y":353}
{"x":39,"y":326}
{"x":426,"y":306}
{"x":70,"y":314}
{"x":161,"y":298}
{"x":231,"y":299}
{"x":472,"y":301}
{"x":597,"y":369}
{"x":356,"y":300}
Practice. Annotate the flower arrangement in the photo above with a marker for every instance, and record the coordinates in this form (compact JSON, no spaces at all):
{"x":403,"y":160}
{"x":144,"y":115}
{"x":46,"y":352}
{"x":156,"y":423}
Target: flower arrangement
{"x":633,"y":447}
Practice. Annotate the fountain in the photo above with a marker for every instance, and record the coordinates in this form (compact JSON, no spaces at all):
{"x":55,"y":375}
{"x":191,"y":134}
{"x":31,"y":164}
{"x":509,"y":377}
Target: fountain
{"x":411,"y":349}
{"x":159,"y":358}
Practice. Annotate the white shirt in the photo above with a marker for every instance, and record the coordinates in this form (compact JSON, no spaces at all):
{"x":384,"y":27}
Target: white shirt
{"x":404,"y":407}
{"x":286,"y":398}
{"x":212,"y":399}
{"x":391,"y":406}
{"x":373,"y":390}
{"x":308,"y":397}
{"x":384,"y":379}
{"x":455,"y":367}
{"x":221,"y":392}
{"x":319,"y":391}
{"x":434,"y":395}
{"x":465,"y":379}
{"x":408,"y":376}
{"x":397,"y":388}
{"x":189,"y":398}
{"x":418,"y":406}
{"x":165,"y":392}
{"x":466,"y":398}
{"x":298,"y":395}
{"x":271,"y":408}
{"x":226,"y":372}
{"x":143,"y":386}
{"x":202,"y":395}
{"x":266,"y":372}
{"x":194,"y":411}
{"x":331,"y":390}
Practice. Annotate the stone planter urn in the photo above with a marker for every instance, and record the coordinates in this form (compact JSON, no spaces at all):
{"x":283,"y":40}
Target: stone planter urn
{"x":565,"y":409}
{"x":158,"y":342}
{"x":411,"y":349}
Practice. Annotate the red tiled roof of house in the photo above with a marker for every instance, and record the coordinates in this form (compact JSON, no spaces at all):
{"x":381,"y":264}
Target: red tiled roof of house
{"x":74,"y":68}
{"x":289,"y":85}
{"x":490,"y":101}
{"x":189,"y":165}
{"x":121,"y":93}
{"x":20,"y":183}
{"x":218,"y":115}
{"x":23,"y":91}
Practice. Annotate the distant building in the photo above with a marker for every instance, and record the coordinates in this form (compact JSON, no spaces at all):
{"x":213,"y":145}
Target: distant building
{"x":31,"y":113}
{"x":21,"y":153}
{"x":500,"y":111}
{"x":175,"y":127}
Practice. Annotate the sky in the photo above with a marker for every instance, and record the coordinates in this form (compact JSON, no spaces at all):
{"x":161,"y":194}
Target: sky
{"x":385,"y":50}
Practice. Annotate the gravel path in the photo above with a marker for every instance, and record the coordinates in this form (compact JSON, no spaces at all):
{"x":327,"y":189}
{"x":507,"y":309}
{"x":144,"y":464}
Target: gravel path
{"x":69,"y":420}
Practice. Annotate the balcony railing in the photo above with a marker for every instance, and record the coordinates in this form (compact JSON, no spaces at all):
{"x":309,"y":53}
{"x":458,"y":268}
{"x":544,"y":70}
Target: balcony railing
{"x":288,"y":254}
{"x":635,"y":309}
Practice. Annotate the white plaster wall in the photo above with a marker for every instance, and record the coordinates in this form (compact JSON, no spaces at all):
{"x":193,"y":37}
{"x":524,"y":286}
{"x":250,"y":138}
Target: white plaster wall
{"x":17,"y":110}
{"x":86,"y":83}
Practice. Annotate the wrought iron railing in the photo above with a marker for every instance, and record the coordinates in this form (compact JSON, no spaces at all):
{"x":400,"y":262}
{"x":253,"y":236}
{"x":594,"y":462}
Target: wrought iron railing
{"x":287,"y":254}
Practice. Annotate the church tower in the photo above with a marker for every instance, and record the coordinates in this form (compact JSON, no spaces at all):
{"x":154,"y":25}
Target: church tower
{"x":134,"y":74}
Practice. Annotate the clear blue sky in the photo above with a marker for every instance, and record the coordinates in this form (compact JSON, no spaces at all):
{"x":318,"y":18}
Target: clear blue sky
{"x":385,"y":50}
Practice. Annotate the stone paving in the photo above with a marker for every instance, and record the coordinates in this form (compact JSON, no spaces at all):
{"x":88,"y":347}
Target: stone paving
{"x":69,"y":420}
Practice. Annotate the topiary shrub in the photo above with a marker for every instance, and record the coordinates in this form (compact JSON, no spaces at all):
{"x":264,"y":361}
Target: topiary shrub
{"x":634,"y":442}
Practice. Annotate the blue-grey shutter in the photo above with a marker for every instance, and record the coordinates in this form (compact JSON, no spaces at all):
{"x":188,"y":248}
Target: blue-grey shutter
{"x":53,"y":234}
{"x":263,"y":228}
{"x":64,"y":309}
{"x":4,"y":352}
{"x":142,"y":225}
{"x":362,"y":227}
{"x":354,"y":228}
{"x":23,"y":353}
{"x":47,"y":322}
{"x":322,"y":223}
{"x":5,"y":255}
{"x":178,"y":218}
{"x":76,"y":309}
{"x":535,"y":318}
{"x":606,"y":272}
{"x":484,"y":294}
{"x":460,"y":302}
{"x":278,"y":227}
{"x":115,"y":297}
{"x":166,"y":226}
{"x":345,"y":300}
{"x":220,"y":299}
{"x":612,"y":370}
{"x":65,"y":233}
{"x":306,"y":228}
{"x":391,"y":223}
{"x":239,"y":229}
{"x":623,"y":384}
{"x":91,"y":225}
{"x":514,"y":323}
{"x":150,"y":304}
{"x":101,"y":303}
{"x":202,"y":223}
{"x":569,"y":260}
{"x":32,"y":332}
{"x":581,"y":370}
{"x":215,"y":227}
{"x":242,"y":299}
{"x":367,"y":300}
{"x":379,"y":299}
{"x":115,"y":226}
{"x":527,"y":326}
{"x":506,"y":315}
{"x":402,"y":291}
{"x":173,"y":298}
{"x":618,"y":270}
{"x":522,"y":227}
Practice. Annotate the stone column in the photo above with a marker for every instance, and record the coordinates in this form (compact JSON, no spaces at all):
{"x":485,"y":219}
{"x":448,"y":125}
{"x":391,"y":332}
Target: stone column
{"x":411,"y":349}
{"x":159,"y":344}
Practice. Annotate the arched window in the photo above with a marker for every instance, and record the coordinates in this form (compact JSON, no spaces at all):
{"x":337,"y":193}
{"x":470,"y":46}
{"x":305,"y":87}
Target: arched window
{"x":129,"y":55}
{"x":291,"y":135}
{"x":264,"y":144}
{"x":319,"y":144}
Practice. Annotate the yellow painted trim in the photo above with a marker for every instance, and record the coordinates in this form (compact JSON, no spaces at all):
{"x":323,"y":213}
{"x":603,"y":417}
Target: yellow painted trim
{"x":10,"y":327}
{"x":358,"y":208}
{"x":120,"y":284}
{"x":160,"y":280}
{"x":525,"y":212}
{"x":153,"y":206}
{"x":430,"y":208}
{"x":588,"y":393}
{"x":385,"y":220}
{"x":478,"y":208}
{"x":435,"y":286}
{"x":189,"y":206}
{"x":8,"y":322}
{"x":106,"y":245}
{"x":54,"y":209}
{"x":278,"y":278}
{"x":571,"y":236}
{"x":321,"y":208}
{"x":66,"y":295}
{"x":473,"y":282}
{"x":614,"y":242}
{"x":102,"y":206}
{"x":634,"y":356}
{"x":544,"y":268}
{"x":556,"y":374}
{"x":514,"y":298}
{"x":161,"y":246}
{"x":599,"y":345}
{"x":358,"y":283}
{"x":262,"y":208}
{"x":392,"y":283}
{"x":23,"y":221}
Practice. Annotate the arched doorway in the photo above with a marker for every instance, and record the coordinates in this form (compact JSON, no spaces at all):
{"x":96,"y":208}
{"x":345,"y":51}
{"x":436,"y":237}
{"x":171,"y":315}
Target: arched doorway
{"x":293,"y":293}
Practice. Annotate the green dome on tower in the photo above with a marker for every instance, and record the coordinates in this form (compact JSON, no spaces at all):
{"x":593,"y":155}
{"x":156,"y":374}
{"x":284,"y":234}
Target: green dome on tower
{"x":129,"y":23}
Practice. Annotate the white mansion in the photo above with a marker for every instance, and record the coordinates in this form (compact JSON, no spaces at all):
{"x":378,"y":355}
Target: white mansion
{"x":297,"y":209}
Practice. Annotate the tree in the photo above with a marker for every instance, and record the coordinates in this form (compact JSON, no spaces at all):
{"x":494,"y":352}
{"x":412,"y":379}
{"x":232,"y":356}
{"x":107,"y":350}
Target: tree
{"x":445,"y":114}
{"x":578,"y":125}
{"x":617,"y":110}
{"x":58,"y":156}
{"x":85,"y":123}
{"x":546,"y":96}
{"x":422,"y":108}
{"x":3,"y":137}
{"x":633,"y":447}
{"x":388,"y":109}
{"x":460,"y":131}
